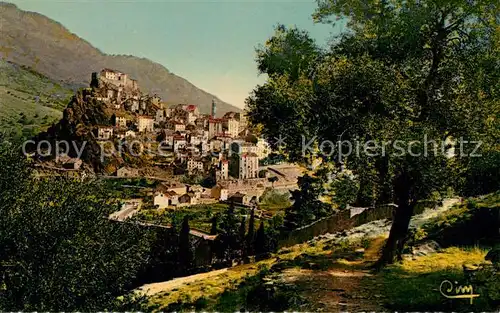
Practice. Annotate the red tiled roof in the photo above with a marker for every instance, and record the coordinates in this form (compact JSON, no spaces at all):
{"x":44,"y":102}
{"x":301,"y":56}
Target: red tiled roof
{"x":249,"y":155}
{"x":215,"y":120}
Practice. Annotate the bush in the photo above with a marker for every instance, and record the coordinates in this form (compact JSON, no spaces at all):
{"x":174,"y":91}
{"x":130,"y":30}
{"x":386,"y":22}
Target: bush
{"x":487,"y":280}
{"x":472,"y":223}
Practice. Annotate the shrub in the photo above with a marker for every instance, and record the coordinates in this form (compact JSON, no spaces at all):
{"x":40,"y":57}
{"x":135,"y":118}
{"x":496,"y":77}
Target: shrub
{"x":487,"y":280}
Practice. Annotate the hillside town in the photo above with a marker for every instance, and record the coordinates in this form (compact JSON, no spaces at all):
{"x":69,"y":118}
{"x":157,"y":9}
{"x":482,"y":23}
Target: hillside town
{"x":189,"y":147}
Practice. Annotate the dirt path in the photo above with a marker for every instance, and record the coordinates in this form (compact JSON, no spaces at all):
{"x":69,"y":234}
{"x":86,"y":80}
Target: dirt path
{"x":343,"y":287}
{"x":340,"y":287}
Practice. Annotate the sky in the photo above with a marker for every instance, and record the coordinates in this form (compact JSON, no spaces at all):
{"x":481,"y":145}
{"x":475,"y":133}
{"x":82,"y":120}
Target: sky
{"x":210,"y":43}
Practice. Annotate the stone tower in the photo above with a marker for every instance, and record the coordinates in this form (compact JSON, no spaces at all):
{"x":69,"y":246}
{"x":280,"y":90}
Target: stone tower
{"x":214,"y":108}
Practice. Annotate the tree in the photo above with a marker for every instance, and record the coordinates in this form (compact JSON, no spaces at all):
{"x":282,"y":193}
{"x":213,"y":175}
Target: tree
{"x":213,"y":228}
{"x":289,"y":52}
{"x":251,"y":233}
{"x":345,"y":190}
{"x":306,"y":207}
{"x":272,"y":180}
{"x":185,"y":249}
{"x":58,"y":249}
{"x":241,"y":237}
{"x":260,"y":240}
{"x":407,"y":71}
{"x":227,"y":242}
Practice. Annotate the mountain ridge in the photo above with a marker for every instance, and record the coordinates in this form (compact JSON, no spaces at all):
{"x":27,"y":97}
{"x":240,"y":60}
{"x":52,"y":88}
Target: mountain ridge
{"x":33,"y":39}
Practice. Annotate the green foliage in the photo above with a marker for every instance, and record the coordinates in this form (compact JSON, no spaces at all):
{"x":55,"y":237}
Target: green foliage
{"x":488,"y":281}
{"x":192,"y":179}
{"x":213,"y":227}
{"x":128,"y":188}
{"x":475,"y":221}
{"x":242,"y":237}
{"x":39,"y":99}
{"x":365,"y":242}
{"x":273,"y":200}
{"x":345,"y":190}
{"x":344,"y":245}
{"x":250,"y":237}
{"x":482,"y":176}
{"x":402,"y":70}
{"x":260,"y":240}
{"x":59,"y":250}
{"x":200,"y":216}
{"x":288,"y":52}
{"x":186,"y":257}
{"x":228,"y":244}
{"x":306,"y":207}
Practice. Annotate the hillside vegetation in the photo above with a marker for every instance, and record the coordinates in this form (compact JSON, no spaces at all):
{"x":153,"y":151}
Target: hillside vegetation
{"x":30,"y":102}
{"x":335,"y":274}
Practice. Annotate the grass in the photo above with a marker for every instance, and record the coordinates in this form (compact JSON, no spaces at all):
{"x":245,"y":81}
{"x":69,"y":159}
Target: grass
{"x":449,"y":258}
{"x":228,"y":291}
{"x":128,"y":188}
{"x":410,"y":285}
{"x":200,"y":215}
{"x":209,"y":289}
{"x":273,"y":201}
{"x":38,"y":98}
{"x":491,"y":200}
{"x":413,"y":285}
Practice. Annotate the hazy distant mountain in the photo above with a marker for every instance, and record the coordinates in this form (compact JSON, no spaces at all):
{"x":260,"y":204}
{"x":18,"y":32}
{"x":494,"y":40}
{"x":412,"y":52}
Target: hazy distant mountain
{"x":45,"y":45}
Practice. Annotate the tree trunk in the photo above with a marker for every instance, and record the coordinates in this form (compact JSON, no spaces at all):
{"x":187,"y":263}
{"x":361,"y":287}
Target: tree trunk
{"x":397,"y":236}
{"x":400,"y":223}
{"x":385,"y":194}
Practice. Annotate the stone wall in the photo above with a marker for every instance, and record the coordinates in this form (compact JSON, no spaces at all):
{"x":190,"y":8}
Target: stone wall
{"x":343,"y":221}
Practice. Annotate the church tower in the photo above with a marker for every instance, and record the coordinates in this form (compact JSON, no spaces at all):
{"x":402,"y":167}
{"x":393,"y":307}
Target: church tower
{"x":214,"y":108}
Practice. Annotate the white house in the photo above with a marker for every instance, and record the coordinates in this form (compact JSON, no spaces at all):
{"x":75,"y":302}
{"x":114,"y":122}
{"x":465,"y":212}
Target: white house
{"x":104,"y":132}
{"x":120,"y":121}
{"x":165,"y":198}
{"x":220,"y":193}
{"x":145,"y":124}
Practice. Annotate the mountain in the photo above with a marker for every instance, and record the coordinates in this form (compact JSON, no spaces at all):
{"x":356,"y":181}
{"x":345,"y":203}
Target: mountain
{"x":30,"y":102}
{"x":34,"y":40}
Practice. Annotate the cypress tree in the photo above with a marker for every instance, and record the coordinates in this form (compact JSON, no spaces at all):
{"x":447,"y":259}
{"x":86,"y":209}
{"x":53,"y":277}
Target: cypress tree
{"x":185,"y":249}
{"x":260,"y":240}
{"x":251,"y":233}
{"x":213,"y":229}
{"x":227,"y":242}
{"x":241,"y":239}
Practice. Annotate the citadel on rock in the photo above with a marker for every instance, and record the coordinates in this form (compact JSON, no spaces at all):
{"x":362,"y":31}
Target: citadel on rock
{"x":185,"y":146}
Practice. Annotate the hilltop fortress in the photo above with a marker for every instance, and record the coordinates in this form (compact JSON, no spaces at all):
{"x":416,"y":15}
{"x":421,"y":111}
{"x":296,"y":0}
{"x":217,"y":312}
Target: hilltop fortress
{"x":113,"y":114}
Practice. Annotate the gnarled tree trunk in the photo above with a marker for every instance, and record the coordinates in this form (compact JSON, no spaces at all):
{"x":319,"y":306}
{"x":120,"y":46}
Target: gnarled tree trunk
{"x":400,"y":222}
